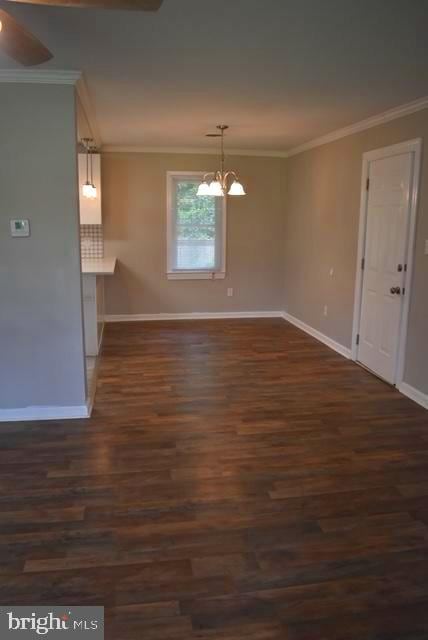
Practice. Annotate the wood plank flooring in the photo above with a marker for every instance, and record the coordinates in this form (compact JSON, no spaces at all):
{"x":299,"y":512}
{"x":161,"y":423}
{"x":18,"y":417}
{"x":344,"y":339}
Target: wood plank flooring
{"x":237,"y":480}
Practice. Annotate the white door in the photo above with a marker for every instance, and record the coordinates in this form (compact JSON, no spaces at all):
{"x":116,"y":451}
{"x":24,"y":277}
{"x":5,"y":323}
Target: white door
{"x":387,"y":227}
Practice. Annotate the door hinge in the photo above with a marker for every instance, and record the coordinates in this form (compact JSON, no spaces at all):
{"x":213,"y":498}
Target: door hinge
{"x":363,"y":263}
{"x":367,"y":184}
{"x":404,"y":291}
{"x":357,"y":341}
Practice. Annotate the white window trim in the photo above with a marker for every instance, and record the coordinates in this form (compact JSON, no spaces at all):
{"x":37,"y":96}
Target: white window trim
{"x":187,"y":274}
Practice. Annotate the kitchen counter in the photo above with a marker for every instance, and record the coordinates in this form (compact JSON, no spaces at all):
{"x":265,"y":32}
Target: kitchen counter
{"x":98,"y":266}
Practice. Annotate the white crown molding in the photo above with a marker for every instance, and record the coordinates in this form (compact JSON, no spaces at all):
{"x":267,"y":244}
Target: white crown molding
{"x":368,"y":123}
{"x":329,"y":342}
{"x":88,"y":108}
{"x":381,"y":118}
{"x":37,"y":76}
{"x":57,"y":76}
{"x":111,"y":148}
{"x":216,"y":315}
{"x":44,"y":413}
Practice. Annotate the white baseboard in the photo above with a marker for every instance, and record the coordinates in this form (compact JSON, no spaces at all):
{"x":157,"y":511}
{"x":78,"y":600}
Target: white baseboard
{"x":43,"y":413}
{"x":217,"y":315}
{"x":413,"y":394}
{"x":404,"y":388}
{"x":344,"y":351}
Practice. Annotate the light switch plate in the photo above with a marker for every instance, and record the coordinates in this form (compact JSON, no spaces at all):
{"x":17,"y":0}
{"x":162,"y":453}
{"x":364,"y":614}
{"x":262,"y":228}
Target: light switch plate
{"x":19,"y":228}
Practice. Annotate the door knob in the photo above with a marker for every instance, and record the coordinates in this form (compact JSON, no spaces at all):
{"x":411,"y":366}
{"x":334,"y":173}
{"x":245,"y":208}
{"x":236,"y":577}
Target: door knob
{"x":396,"y":290}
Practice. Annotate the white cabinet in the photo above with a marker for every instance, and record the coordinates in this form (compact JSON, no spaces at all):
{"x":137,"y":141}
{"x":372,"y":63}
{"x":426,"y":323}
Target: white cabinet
{"x":90,"y":208}
{"x":93,"y":274}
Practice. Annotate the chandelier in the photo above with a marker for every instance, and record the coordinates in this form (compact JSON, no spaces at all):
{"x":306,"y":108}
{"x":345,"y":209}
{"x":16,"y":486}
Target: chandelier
{"x":219,"y":183}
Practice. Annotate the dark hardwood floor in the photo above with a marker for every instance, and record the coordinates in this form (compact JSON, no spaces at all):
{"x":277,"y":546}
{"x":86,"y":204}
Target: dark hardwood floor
{"x":238,"y":479}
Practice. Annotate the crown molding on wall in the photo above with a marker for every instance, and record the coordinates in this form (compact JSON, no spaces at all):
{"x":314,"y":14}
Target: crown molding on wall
{"x":57,"y":76}
{"x":368,"y":123}
{"x":111,"y":148}
{"x":37,"y":76}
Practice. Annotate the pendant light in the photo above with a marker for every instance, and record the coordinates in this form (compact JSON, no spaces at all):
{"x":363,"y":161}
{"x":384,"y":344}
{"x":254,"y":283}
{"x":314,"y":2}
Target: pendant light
{"x":94,"y":189}
{"x":88,"y":189}
{"x":218,"y":185}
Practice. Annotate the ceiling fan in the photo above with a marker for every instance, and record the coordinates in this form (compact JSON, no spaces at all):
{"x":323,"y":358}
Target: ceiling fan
{"x":21,"y":45}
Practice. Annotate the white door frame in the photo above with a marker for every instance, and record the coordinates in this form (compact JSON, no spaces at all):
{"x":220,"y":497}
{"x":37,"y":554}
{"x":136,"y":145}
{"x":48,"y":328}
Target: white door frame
{"x":414,"y":147}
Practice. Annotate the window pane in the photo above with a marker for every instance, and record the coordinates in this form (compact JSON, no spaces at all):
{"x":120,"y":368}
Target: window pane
{"x":195,"y":226}
{"x":196,"y":252}
{"x":196,"y":219}
{"x":194,"y":209}
{"x":195,"y":233}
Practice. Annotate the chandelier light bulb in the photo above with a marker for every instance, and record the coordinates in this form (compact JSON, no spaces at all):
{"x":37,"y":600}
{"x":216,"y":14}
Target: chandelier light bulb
{"x":87,"y":190}
{"x":236,"y":189}
{"x":204,"y":189}
{"x":216,"y":188}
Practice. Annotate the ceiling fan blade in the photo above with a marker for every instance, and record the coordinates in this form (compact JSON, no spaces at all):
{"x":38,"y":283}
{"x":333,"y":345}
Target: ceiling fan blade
{"x":20,"y":44}
{"x":134,"y":5}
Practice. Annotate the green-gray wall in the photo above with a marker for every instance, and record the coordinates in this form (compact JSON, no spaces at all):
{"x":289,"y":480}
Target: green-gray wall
{"x":41,"y":338}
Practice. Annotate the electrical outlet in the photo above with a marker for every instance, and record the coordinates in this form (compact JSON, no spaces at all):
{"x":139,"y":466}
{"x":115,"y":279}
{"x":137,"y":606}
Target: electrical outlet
{"x":325,"y":310}
{"x":230,"y":292}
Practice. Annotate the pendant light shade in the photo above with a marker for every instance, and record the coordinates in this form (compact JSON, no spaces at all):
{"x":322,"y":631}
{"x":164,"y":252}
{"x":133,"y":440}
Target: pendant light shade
{"x":87,"y":190}
{"x":204,"y":189}
{"x":236,"y":189}
{"x":216,"y":188}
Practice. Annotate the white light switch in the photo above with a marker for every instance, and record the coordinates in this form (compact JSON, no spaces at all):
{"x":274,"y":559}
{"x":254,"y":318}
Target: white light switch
{"x":20,"y":228}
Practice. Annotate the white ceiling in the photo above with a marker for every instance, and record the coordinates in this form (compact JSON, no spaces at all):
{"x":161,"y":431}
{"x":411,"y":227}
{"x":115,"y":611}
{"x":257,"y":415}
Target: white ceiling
{"x":279,"y":72}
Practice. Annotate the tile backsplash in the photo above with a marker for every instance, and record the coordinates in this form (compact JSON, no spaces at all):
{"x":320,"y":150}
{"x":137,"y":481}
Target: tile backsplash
{"x":91,"y":241}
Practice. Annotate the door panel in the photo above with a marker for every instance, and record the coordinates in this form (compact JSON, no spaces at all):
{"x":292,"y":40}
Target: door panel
{"x":388,"y":212}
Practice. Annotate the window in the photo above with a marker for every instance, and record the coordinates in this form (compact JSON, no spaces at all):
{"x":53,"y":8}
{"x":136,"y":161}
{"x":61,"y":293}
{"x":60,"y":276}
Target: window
{"x":196,"y":230}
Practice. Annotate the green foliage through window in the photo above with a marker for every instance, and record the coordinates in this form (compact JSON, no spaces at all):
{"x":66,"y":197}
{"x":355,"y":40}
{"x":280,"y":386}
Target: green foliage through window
{"x":196,"y":215}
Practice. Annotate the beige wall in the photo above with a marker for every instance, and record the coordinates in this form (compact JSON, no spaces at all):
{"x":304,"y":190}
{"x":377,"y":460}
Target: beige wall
{"x":134,"y":220}
{"x":41,"y":334}
{"x":322,"y":212}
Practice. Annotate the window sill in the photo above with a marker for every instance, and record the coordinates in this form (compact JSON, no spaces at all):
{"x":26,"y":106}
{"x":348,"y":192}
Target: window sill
{"x":195,"y":275}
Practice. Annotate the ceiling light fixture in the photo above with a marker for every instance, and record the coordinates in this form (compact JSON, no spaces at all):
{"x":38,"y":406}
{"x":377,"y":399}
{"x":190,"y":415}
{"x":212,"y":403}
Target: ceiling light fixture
{"x":89,"y":190}
{"x":218,"y":185}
